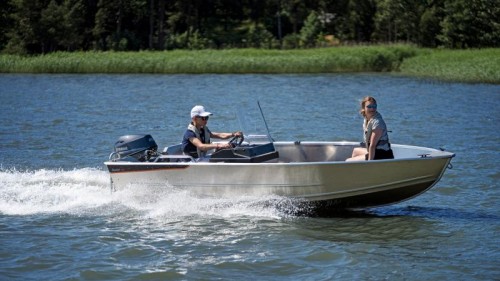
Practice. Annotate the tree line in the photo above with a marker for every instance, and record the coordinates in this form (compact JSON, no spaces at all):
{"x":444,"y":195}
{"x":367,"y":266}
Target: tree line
{"x":43,"y":26}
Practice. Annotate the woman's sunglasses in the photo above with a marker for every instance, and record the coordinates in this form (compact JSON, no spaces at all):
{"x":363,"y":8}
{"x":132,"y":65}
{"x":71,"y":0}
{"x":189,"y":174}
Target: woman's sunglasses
{"x":371,"y":106}
{"x":203,"y":118}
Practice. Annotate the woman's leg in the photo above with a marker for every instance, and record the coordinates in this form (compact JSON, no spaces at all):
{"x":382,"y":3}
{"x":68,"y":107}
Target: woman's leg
{"x":358,"y":154}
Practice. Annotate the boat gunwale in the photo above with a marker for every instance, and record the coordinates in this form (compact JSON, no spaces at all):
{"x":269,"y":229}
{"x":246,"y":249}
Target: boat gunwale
{"x":433,"y":154}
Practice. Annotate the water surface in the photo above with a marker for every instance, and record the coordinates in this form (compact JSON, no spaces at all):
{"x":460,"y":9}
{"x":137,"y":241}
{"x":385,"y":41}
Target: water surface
{"x":59,"y":220}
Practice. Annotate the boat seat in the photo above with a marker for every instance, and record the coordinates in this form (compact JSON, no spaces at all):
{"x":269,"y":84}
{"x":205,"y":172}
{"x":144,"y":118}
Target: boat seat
{"x":173,"y":150}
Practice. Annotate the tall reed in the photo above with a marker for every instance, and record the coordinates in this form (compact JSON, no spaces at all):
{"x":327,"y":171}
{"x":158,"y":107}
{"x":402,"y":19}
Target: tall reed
{"x":341,"y":59}
{"x":449,"y":65}
{"x":473,"y":65}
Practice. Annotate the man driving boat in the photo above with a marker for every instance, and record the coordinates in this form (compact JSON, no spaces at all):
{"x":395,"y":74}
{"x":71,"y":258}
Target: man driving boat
{"x":196,"y":140}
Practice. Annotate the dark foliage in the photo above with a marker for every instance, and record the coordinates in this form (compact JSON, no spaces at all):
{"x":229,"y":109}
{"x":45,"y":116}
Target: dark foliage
{"x":42,"y":26}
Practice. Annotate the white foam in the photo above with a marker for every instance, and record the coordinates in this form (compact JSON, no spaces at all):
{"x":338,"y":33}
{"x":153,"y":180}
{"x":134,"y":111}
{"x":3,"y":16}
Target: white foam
{"x":50,"y":191}
{"x":87,"y":191}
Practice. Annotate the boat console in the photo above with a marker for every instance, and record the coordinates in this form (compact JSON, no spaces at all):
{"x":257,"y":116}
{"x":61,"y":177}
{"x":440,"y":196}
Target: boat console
{"x":254,"y":153}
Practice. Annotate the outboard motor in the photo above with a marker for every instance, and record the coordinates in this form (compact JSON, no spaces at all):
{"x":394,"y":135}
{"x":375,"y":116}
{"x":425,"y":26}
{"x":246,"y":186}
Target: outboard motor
{"x":138,"y":147}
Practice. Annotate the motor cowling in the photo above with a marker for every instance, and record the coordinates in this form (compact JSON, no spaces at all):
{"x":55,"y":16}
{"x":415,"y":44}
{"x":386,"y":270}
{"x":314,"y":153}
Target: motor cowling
{"x":139,"y":147}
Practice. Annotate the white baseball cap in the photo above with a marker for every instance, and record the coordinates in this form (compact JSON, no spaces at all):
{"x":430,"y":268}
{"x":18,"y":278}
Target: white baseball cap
{"x":199,"y":110}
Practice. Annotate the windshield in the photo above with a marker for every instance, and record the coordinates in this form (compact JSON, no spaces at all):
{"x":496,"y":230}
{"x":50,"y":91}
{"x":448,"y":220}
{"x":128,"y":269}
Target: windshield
{"x":253,"y":124}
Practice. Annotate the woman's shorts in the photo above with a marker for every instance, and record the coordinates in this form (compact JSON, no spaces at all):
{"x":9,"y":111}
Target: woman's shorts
{"x":381,"y":154}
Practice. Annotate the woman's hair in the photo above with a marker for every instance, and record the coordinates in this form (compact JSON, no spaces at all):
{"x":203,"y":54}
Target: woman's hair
{"x":364,"y":101}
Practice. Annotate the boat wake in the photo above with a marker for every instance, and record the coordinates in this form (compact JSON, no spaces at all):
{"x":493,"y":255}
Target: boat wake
{"x":87,"y":191}
{"x":52,"y":191}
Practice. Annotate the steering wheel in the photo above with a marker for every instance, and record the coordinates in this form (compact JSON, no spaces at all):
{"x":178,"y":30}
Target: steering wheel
{"x":236,"y":141}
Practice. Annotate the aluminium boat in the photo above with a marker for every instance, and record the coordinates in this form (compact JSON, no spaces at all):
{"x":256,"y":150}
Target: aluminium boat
{"x":310,"y":171}
{"x":314,"y":173}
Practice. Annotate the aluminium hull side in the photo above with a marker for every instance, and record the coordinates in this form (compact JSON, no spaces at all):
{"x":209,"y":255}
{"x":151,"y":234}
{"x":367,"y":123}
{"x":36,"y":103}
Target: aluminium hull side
{"x":338,"y":183}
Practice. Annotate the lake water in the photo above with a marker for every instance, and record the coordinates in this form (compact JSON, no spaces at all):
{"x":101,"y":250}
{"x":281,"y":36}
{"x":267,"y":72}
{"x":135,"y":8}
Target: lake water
{"x":59,"y":220}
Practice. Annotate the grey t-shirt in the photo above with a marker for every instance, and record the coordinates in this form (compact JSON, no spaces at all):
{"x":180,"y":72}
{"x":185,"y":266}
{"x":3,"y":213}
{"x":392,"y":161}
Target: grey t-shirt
{"x":376,"y":122}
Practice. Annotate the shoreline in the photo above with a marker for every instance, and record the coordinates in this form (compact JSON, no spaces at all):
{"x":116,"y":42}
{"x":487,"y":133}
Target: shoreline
{"x":468,"y":66}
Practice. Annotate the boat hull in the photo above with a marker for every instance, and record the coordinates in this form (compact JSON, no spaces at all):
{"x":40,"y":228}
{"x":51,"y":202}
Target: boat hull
{"x":312,"y":172}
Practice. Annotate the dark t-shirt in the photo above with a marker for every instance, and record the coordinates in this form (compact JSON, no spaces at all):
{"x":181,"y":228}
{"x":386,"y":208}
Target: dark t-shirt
{"x":187,"y":146}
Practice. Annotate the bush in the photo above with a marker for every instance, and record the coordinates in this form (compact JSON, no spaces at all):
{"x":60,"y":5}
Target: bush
{"x":291,"y":41}
{"x":191,"y":40}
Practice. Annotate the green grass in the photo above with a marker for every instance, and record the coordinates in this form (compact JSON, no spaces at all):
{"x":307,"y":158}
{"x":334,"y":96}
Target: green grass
{"x":473,"y":66}
{"x":449,"y":65}
{"x":342,"y":59}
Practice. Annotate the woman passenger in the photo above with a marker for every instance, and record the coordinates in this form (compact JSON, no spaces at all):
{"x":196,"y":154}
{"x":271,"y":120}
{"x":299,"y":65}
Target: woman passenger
{"x":375,"y":134}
